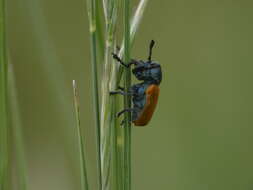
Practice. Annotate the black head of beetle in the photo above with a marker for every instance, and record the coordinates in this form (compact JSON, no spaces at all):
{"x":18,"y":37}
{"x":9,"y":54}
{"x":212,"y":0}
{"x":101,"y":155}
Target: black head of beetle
{"x":149,"y":71}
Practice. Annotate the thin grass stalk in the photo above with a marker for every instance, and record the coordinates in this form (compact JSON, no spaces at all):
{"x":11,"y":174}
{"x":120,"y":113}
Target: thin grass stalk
{"x":17,"y":131}
{"x":114,"y":83}
{"x":115,"y":140}
{"x":127,"y":99}
{"x":82,"y":160}
{"x":3,"y":102}
{"x":118,"y":131}
{"x":108,"y":120}
{"x":91,"y":9}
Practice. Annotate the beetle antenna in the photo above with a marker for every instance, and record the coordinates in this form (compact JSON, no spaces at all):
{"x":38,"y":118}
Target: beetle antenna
{"x":152,"y":43}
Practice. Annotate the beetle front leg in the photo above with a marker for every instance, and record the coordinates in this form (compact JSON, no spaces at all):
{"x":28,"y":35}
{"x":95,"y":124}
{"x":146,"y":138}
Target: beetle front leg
{"x":125,"y":110}
{"x":117,"y":58}
{"x":121,"y":92}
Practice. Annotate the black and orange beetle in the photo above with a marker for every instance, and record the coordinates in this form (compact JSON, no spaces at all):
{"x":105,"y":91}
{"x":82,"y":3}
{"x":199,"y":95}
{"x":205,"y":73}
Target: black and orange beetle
{"x":145,"y":94}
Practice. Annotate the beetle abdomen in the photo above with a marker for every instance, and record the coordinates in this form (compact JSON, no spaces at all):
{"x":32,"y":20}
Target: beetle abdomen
{"x":152,"y":94}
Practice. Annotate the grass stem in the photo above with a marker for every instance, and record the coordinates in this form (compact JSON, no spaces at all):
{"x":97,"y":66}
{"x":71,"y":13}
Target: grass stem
{"x":127,"y":99}
{"x":91,"y":8}
{"x":109,"y":124}
{"x":84,"y":178}
{"x":115,"y":140}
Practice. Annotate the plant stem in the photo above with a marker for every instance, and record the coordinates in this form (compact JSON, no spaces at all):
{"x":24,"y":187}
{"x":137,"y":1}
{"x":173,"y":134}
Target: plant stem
{"x":84,"y":178}
{"x":109,"y":125}
{"x":96,"y":104}
{"x":127,"y":99}
{"x":115,"y":140}
{"x":91,"y":8}
{"x":3,"y":102}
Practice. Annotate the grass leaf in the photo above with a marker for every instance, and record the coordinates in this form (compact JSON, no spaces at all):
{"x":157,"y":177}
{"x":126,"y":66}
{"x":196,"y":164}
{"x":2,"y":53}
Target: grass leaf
{"x":127,"y":99}
{"x":91,"y":9}
{"x":84,"y":178}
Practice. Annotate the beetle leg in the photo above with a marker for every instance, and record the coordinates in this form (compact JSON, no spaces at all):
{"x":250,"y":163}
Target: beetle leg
{"x":122,"y":122}
{"x":115,"y":56}
{"x":118,"y":92}
{"x":125,"y":110}
{"x":122,"y":93}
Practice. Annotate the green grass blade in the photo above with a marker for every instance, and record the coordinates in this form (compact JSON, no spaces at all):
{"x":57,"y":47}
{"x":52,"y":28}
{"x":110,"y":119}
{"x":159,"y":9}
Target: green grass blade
{"x":135,"y":23}
{"x":83,"y":174}
{"x":108,"y":125}
{"x":137,"y":18}
{"x":115,"y":140}
{"x":127,"y":99}
{"x":91,"y":9}
{"x":3,"y":102}
{"x":111,"y":170}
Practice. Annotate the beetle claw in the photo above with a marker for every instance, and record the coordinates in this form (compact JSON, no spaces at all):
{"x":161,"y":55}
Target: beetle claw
{"x":122,"y":122}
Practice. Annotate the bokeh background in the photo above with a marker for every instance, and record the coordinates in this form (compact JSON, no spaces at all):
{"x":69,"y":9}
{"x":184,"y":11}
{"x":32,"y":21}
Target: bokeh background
{"x":201,"y":134}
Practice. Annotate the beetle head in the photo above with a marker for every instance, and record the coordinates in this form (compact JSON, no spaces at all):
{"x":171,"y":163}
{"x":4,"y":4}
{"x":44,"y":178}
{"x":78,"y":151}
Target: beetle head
{"x":148,"y":71}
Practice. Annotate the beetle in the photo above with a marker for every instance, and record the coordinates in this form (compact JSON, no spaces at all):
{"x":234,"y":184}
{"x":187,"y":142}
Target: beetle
{"x":145,"y":94}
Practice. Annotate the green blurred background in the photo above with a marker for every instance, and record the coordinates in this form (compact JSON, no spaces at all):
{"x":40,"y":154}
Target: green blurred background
{"x":201,"y":134}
